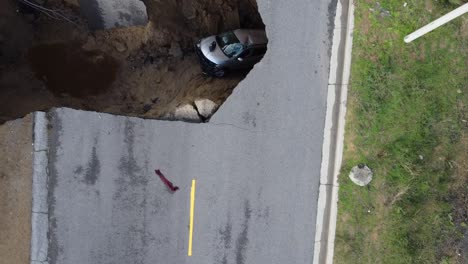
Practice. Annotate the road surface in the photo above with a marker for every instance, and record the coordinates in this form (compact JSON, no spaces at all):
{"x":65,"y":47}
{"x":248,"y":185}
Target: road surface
{"x":256,"y":163}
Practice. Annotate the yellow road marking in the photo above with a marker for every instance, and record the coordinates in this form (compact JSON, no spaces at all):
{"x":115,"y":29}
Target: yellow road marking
{"x":192,"y":209}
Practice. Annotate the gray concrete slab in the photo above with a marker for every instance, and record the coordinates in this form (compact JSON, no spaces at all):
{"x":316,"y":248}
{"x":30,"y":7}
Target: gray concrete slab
{"x":39,"y":187}
{"x":39,"y":240}
{"x":106,"y":14}
{"x":40,"y":131}
{"x":257,"y":165}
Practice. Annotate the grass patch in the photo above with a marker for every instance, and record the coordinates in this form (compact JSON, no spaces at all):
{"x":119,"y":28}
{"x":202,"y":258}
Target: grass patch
{"x":407,"y":120}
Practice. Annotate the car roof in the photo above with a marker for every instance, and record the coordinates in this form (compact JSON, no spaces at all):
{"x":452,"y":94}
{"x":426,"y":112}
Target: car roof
{"x":251,"y":36}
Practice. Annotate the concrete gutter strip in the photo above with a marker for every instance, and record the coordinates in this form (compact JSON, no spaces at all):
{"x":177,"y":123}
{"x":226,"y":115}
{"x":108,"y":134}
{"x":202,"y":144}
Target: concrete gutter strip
{"x":341,"y":131}
{"x":39,"y":216}
{"x":332,"y":150}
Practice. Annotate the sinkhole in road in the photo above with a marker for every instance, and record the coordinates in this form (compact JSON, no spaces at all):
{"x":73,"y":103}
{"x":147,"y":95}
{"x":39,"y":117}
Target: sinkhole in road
{"x":149,"y":71}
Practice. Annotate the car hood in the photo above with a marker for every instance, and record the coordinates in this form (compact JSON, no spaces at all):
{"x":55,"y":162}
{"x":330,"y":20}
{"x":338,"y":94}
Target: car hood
{"x":217,"y":55}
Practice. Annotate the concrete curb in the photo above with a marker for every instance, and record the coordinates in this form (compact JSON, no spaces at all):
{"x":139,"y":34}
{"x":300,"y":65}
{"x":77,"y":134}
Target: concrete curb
{"x":332,"y":150}
{"x":39,"y":215}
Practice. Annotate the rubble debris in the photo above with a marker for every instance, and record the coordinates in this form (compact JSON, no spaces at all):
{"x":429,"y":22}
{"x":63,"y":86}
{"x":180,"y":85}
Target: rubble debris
{"x":205,"y":107}
{"x":186,"y":113}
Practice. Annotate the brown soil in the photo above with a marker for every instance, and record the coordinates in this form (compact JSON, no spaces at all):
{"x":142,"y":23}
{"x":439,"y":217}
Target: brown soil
{"x":68,"y":69}
{"x":134,"y":71}
{"x":15,"y":190}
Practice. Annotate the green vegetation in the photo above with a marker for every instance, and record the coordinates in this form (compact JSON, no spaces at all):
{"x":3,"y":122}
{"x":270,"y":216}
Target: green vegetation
{"x":407,"y":120}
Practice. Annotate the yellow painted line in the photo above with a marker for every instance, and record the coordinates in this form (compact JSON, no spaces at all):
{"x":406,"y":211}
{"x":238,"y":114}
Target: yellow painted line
{"x":192,"y":209}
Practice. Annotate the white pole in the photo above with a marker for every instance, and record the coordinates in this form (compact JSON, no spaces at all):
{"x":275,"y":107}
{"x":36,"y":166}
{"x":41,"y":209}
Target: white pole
{"x":437,"y":23}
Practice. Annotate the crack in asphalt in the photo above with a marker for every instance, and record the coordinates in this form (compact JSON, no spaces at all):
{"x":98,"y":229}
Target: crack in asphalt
{"x":202,"y":118}
{"x":231,"y":125}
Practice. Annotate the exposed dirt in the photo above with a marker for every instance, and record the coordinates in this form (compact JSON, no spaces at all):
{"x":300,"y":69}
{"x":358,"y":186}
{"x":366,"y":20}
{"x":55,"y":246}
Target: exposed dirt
{"x":145,"y":71}
{"x":15,"y":190}
{"x":68,"y":69}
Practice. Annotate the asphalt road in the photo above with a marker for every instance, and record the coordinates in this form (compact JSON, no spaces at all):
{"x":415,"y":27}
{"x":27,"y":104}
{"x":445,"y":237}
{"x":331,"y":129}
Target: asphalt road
{"x":257,"y":165}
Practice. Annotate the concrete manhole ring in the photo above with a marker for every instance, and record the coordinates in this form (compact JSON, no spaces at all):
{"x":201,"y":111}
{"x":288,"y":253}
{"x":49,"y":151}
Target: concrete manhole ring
{"x":361,"y":175}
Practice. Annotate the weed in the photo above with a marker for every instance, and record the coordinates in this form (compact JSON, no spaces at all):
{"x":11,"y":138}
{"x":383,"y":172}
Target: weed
{"x":406,"y":122}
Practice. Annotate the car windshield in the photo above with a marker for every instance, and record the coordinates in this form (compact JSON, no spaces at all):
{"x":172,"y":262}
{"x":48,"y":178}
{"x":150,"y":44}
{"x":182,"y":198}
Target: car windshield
{"x":229,"y":44}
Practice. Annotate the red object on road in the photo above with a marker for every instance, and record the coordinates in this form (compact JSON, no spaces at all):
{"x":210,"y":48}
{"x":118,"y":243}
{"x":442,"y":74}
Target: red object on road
{"x":166,"y":181}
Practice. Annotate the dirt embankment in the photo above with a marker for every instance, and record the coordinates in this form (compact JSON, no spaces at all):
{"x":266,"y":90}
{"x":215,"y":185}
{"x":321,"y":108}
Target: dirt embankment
{"x":15,"y":190}
{"x":147,"y":71}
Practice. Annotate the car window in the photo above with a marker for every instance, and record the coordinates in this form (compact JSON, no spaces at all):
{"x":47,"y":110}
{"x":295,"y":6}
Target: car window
{"x":234,"y":49}
{"x":229,"y":44}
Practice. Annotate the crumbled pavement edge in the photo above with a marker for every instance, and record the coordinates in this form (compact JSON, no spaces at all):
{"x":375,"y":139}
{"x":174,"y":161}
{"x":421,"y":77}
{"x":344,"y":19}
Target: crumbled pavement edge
{"x":39,"y":214}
